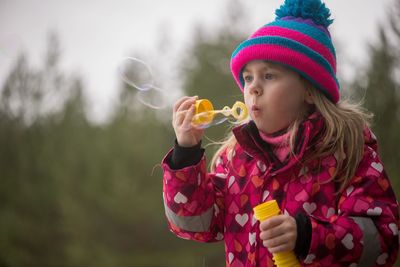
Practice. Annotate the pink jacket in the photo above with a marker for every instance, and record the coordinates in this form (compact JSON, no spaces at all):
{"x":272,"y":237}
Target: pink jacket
{"x":357,"y":227}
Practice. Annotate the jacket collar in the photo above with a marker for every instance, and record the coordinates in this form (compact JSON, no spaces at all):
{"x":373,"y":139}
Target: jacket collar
{"x":248,"y":137}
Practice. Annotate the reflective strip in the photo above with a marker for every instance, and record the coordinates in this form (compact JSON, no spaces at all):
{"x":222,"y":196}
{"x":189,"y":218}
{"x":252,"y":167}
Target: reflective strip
{"x":199,"y":223}
{"x":371,"y":243}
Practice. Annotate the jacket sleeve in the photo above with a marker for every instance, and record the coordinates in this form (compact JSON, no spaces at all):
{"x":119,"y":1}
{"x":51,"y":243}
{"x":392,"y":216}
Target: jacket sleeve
{"x":194,"y":200}
{"x":364,"y":231}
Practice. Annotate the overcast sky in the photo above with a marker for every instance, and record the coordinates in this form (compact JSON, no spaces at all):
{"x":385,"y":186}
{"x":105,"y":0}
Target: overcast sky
{"x":95,"y":35}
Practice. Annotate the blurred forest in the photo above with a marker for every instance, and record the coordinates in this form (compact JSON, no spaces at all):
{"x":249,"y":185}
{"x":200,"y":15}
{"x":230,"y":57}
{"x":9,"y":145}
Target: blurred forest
{"x":76,"y":193}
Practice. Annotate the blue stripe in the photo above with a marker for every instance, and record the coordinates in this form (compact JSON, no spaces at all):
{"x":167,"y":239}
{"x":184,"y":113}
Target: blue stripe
{"x":296,"y":46}
{"x":306,"y":29}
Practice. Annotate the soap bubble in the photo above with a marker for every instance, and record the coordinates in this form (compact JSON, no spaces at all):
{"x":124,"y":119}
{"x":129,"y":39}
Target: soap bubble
{"x":136,"y":73}
{"x":139,"y":76}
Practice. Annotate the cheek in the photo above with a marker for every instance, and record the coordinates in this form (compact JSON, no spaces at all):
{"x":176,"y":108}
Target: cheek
{"x":247,"y":100}
{"x":289,"y":99}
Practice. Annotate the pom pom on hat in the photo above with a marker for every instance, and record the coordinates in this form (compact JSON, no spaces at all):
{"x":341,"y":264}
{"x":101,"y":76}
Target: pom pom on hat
{"x":306,"y":9}
{"x":298,"y":39}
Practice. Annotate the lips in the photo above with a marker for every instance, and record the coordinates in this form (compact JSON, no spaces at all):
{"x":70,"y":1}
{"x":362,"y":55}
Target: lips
{"x":255,"y":110}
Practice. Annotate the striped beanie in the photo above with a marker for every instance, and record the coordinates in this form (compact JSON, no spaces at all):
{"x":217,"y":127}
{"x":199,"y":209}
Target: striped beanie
{"x":298,"y":39}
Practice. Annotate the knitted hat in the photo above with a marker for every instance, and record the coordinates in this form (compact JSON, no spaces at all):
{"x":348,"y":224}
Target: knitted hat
{"x":298,"y":39}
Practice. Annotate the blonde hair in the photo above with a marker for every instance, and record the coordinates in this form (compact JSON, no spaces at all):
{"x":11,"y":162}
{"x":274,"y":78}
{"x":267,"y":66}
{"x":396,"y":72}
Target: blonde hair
{"x":343,"y":136}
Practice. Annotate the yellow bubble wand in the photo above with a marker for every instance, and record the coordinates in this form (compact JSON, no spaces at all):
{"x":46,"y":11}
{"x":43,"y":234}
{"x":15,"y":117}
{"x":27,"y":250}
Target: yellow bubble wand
{"x":205,"y":114}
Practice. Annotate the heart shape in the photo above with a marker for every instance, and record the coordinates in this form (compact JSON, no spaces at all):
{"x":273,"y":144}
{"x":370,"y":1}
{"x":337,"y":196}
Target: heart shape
{"x":261,"y":166}
{"x":315,"y":188}
{"x":330,"y":241}
{"x":230,"y":257}
{"x":382,"y":259}
{"x":238,"y":246}
{"x":383,"y":183}
{"x":394,"y":228}
{"x":309,"y":207}
{"x":252,"y":238}
{"x":331,"y":171}
{"x":302,"y":196}
{"x":242,"y":219}
{"x":231,"y":181}
{"x":243,"y":200}
{"x":181,"y":176}
{"x":242,"y":171}
{"x":233,"y":208}
{"x":180,"y":198}
{"x":347,"y":241}
{"x":377,"y":211}
{"x":309,"y":259}
{"x":234,"y":189}
{"x":251,"y":257}
{"x":275,"y":184}
{"x":257,"y":181}
{"x":221,"y":175}
{"x":303,"y":171}
{"x":216,"y":209}
{"x":349,"y":190}
{"x":253,"y":220}
{"x":265,"y":195}
{"x":330,"y":213}
{"x":219,"y":236}
{"x":377,"y":166}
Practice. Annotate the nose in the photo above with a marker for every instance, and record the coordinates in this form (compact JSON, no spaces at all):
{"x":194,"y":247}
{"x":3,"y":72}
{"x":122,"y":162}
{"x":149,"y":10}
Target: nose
{"x":255,"y":88}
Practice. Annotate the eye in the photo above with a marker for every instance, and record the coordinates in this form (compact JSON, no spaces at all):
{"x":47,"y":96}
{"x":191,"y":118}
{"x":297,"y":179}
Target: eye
{"x":269,"y":76}
{"x":247,"y":78}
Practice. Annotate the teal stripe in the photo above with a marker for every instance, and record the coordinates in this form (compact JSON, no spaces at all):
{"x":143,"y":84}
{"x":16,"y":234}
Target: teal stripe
{"x":307,"y":30}
{"x":296,"y":46}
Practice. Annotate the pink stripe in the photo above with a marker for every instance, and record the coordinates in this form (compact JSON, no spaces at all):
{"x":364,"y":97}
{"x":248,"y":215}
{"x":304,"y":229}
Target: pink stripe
{"x":299,"y":37}
{"x":288,"y":57}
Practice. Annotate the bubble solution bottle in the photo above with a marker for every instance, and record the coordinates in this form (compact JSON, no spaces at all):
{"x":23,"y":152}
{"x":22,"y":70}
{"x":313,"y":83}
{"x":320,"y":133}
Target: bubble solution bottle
{"x":264,"y":211}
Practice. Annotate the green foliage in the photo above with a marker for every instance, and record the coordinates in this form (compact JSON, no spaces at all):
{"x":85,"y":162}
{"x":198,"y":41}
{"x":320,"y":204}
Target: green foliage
{"x":381,"y":92}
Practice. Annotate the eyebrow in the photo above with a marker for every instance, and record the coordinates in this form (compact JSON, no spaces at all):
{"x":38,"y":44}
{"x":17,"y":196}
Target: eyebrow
{"x":265,"y":67}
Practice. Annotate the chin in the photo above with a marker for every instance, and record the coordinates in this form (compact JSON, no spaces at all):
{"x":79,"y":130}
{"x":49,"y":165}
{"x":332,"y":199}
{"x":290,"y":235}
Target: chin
{"x":268,"y":129}
{"x":260,"y":126}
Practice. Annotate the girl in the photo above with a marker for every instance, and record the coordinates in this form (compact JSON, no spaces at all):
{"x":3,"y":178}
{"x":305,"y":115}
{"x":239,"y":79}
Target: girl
{"x":303,"y":147}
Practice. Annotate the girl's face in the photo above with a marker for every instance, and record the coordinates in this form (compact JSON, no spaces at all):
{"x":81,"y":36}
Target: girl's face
{"x":274,"y":95}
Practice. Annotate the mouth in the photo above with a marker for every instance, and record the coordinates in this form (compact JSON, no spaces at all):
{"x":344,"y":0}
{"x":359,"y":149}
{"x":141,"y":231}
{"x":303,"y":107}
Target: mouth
{"x":255,"y":110}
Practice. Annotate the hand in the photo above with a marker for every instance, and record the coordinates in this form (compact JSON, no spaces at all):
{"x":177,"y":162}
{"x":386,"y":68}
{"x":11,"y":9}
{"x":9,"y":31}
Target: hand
{"x":279,"y":233}
{"x":183,"y":113}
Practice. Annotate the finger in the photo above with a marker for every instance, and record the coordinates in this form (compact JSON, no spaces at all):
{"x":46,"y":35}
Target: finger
{"x":271,"y":222}
{"x":283,"y":240}
{"x":282,"y":248}
{"x":272,"y":233}
{"x":180,"y":109}
{"x":187,"y":103}
{"x":189,"y":116}
{"x":180,"y":116}
{"x":179,"y":102}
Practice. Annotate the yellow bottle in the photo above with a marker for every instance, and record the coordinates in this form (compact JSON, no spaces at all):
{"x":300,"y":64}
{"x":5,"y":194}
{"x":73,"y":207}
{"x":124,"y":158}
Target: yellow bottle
{"x":205,"y":108}
{"x":264,"y":211}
